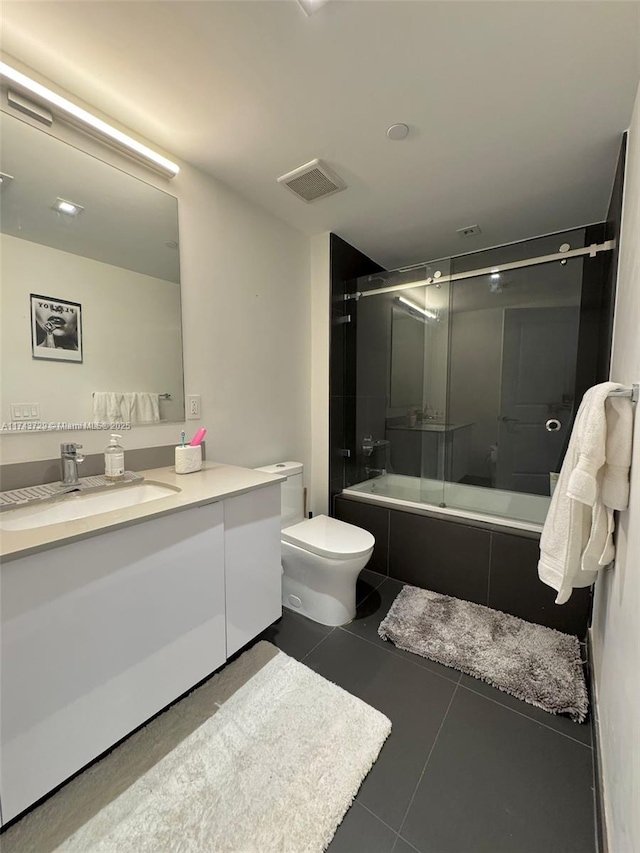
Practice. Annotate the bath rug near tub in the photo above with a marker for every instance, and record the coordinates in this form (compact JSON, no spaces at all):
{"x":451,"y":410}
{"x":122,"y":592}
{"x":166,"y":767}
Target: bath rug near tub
{"x":266,"y":756}
{"x":533,"y":663}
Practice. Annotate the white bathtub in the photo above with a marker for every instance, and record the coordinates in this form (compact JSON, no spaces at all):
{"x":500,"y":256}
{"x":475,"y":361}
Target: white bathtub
{"x":509,"y":509}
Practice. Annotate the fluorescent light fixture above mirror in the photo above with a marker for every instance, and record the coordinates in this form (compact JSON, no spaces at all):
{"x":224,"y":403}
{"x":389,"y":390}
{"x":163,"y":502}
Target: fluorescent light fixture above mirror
{"x":102,"y":128}
{"x":424,"y":311}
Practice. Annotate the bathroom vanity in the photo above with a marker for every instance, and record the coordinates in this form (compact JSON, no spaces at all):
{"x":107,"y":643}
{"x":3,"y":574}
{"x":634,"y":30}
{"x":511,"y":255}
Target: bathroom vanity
{"x":109,"y":617}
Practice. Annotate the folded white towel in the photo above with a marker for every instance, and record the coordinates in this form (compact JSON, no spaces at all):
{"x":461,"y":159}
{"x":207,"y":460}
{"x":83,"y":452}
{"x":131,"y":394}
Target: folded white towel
{"x":577,"y":537}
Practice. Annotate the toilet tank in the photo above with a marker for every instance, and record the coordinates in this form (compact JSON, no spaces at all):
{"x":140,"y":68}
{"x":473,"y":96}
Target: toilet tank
{"x":292,"y":491}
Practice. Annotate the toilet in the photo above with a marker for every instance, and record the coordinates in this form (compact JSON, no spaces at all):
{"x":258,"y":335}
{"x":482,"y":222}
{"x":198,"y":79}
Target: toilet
{"x":321,"y":556}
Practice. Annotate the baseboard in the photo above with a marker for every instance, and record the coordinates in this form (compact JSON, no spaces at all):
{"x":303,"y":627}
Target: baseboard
{"x":599,"y":812}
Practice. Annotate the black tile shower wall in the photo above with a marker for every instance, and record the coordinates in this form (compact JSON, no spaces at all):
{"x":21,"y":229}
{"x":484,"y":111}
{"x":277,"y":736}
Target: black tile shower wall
{"x":478,"y":562}
{"x":592,"y":330}
{"x":346,"y":264}
{"x":612,"y":232}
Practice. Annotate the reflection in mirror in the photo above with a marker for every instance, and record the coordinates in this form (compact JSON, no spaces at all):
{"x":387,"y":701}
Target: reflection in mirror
{"x":90,"y":288}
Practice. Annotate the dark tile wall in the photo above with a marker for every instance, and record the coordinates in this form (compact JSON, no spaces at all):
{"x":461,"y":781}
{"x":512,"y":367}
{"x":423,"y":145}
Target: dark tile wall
{"x":515,"y":587}
{"x":443,"y":556}
{"x":612,"y":232}
{"x":477,"y":562}
{"x":346,"y":264}
{"x":373,"y":518}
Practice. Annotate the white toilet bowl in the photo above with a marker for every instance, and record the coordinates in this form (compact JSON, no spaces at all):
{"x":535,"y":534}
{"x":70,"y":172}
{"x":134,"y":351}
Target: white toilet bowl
{"x":322,"y":558}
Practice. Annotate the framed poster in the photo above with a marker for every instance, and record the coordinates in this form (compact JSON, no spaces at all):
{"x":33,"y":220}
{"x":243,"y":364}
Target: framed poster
{"x":56,"y":329}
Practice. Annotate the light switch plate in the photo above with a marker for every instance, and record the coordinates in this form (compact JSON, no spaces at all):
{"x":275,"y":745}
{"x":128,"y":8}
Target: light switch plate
{"x":193,"y":407}
{"x":25,"y":412}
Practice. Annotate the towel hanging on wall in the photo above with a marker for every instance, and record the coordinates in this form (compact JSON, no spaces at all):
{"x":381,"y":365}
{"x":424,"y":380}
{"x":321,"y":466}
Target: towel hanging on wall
{"x":577,"y":539}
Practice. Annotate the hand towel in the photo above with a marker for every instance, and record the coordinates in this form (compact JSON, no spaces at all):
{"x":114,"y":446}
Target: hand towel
{"x":100,"y":406}
{"x":129,"y":407}
{"x":107,"y":406}
{"x":577,"y":531}
{"x":147,"y":407}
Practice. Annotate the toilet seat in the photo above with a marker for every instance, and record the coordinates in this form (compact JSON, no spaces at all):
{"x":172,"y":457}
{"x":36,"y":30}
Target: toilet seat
{"x":328,"y":537}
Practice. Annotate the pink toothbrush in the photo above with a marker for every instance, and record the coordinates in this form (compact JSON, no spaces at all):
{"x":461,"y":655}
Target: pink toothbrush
{"x":198,"y":438}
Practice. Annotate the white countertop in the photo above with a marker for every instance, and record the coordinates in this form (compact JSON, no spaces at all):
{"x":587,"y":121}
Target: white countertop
{"x":213,"y":483}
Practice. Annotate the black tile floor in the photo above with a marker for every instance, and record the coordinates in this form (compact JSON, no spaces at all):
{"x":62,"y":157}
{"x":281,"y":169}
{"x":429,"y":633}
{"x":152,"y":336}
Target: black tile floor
{"x":467,"y":768}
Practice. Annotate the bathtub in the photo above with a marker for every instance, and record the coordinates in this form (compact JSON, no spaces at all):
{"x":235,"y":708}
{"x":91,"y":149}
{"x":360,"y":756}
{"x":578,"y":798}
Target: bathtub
{"x":496,"y":506}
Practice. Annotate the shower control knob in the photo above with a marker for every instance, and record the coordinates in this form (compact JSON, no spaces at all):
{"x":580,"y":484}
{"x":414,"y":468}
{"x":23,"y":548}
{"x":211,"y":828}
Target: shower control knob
{"x":553,"y":425}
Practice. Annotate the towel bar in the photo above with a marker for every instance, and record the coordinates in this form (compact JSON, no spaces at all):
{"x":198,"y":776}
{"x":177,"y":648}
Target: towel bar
{"x":165,"y":396}
{"x":633,"y":392}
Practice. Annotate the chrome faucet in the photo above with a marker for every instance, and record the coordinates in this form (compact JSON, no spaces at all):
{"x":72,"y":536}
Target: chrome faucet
{"x":378,"y":472}
{"x":70,"y":459}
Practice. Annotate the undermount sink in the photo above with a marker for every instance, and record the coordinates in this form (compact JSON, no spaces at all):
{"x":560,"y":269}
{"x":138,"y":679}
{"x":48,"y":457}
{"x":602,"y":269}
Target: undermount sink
{"x":78,"y":505}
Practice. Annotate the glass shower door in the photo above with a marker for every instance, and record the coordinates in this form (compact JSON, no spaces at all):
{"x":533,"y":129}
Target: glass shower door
{"x":512,"y":376}
{"x":400,"y":358}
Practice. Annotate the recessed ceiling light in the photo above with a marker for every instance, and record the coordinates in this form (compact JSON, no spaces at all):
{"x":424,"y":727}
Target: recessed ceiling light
{"x":311,"y":6}
{"x":398,"y":131}
{"x":68,"y":207}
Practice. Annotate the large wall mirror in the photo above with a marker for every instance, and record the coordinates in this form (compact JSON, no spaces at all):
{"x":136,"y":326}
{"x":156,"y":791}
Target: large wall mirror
{"x":91,"y":327}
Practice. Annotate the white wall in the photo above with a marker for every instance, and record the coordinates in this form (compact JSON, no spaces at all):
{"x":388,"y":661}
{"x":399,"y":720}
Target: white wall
{"x":615,"y":632}
{"x":246,"y":321}
{"x":131,"y":333}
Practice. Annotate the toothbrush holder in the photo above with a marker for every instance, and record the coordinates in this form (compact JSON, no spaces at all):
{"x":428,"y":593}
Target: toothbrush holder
{"x":188,"y":459}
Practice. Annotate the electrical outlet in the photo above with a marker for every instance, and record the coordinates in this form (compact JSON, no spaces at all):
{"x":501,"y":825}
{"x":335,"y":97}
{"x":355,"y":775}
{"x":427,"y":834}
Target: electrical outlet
{"x":193,"y":407}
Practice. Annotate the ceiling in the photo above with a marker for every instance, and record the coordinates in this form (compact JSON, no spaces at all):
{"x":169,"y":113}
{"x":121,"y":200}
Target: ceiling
{"x":515,"y":109}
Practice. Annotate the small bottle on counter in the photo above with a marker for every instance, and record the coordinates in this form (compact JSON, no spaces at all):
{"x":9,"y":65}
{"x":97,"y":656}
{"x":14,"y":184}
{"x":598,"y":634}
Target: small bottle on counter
{"x":114,"y":460}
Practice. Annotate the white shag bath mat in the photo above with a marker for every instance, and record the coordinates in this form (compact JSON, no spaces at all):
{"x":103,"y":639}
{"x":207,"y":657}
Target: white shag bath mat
{"x":266,"y":756}
{"x":539,"y":665}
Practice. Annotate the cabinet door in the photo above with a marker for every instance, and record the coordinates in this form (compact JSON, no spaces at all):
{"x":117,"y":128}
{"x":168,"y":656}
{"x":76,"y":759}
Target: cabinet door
{"x":98,"y":636}
{"x":252,"y":564}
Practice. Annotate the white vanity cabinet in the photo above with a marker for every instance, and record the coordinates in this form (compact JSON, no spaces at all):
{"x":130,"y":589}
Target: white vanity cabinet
{"x":253,"y":564}
{"x":100,"y":634}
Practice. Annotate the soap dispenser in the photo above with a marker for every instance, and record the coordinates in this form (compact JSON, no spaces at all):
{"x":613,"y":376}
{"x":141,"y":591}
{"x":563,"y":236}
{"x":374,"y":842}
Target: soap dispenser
{"x":114,"y":460}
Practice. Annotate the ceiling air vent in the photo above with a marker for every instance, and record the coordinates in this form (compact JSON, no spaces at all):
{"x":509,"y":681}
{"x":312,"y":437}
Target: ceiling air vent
{"x":312,"y":181}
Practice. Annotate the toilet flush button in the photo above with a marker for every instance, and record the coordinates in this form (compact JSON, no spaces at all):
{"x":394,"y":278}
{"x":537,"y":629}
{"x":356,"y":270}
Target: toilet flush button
{"x":294,"y":601}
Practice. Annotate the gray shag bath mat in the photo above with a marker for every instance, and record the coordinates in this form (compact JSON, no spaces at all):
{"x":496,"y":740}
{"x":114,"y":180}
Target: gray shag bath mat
{"x":536,"y":664}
